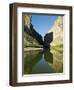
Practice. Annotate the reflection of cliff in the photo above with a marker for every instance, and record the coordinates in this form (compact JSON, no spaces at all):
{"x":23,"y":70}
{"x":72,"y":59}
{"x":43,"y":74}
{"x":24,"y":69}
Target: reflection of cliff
{"x":30,"y":59}
{"x":57,"y":61}
{"x":43,"y":62}
{"x":54,"y":60}
{"x":48,"y":56}
{"x":31,"y":37}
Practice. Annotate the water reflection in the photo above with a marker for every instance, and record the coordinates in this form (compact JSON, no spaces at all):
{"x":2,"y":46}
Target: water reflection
{"x":48,"y":56}
{"x":30,"y":59}
{"x":36,"y":62}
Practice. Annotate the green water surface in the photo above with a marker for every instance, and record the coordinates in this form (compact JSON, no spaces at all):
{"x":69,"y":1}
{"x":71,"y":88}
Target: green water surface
{"x":43,"y":61}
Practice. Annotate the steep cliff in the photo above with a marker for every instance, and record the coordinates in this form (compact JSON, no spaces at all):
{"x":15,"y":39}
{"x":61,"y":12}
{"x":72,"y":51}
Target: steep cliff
{"x":30,"y":41}
{"x":48,"y":38}
{"x":27,"y":20}
{"x":57,"y":30}
{"x":31,"y":37}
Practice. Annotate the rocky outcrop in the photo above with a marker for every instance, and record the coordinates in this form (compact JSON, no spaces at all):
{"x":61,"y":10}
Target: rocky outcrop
{"x":31,"y":37}
{"x":48,"y":38}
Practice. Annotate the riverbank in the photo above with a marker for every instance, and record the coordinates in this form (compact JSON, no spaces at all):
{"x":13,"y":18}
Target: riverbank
{"x":32,"y":48}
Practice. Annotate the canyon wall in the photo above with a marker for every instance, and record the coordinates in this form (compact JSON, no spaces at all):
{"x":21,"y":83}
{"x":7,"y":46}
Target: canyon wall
{"x":31,"y":37}
{"x":57,"y":30}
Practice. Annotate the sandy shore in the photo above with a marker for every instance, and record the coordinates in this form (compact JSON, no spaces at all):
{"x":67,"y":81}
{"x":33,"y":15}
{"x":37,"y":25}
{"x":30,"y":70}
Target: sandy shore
{"x":30,"y":48}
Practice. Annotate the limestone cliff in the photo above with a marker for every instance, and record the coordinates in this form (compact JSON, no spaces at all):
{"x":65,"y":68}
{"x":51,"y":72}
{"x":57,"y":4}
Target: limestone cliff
{"x":57,"y":30}
{"x":27,"y":20}
{"x":31,"y":37}
{"x":30,"y":41}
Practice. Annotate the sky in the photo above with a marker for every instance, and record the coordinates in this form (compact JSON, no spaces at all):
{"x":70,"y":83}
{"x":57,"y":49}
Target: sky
{"x":43,"y":23}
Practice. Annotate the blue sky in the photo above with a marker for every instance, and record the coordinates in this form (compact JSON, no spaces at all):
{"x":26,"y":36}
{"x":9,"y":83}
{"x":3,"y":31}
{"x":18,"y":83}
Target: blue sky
{"x":43,"y":23}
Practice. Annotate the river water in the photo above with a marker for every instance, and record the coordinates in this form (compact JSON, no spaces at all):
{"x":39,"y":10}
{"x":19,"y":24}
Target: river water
{"x":43,"y":61}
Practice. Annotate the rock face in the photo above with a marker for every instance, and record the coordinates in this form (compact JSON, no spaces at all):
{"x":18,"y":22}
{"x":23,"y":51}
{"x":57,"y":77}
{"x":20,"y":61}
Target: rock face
{"x":48,"y":38}
{"x":27,"y":20}
{"x":31,"y":37}
{"x":57,"y":30}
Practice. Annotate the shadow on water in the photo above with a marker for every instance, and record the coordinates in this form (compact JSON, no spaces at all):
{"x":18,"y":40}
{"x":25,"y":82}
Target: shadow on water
{"x":36,"y":62}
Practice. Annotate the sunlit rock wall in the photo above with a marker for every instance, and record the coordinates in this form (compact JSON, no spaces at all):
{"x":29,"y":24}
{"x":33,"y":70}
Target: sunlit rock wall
{"x":57,"y":30}
{"x":27,"y":20}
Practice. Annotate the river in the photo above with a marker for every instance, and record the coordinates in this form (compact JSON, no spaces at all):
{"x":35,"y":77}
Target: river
{"x":43,"y":61}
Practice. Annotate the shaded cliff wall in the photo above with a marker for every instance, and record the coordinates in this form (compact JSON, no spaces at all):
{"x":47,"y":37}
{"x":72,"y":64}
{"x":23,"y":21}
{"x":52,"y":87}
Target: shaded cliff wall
{"x":31,"y":37}
{"x":48,"y":38}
